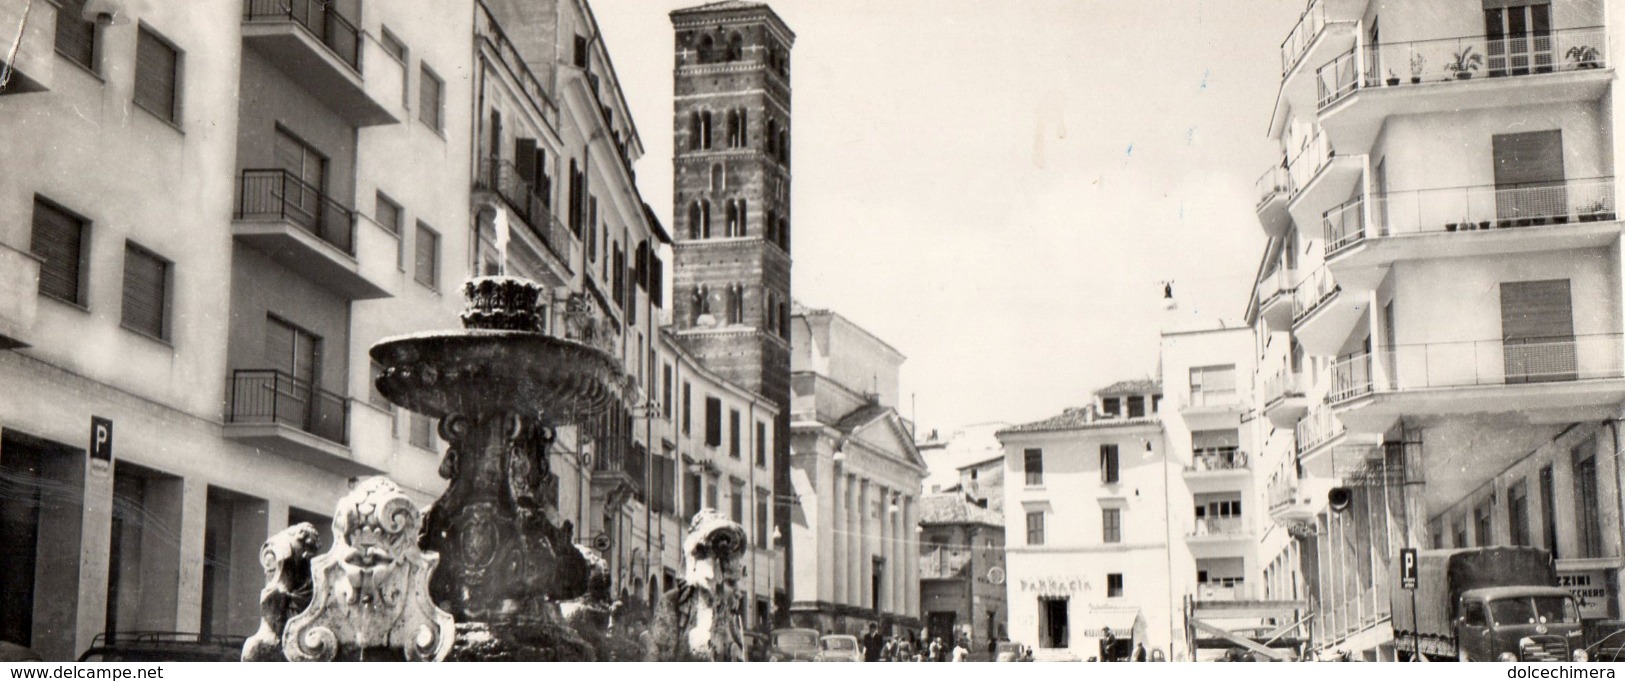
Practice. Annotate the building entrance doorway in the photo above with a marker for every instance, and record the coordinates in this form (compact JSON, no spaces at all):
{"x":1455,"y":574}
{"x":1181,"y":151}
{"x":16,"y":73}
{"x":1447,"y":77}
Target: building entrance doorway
{"x":1052,"y":623}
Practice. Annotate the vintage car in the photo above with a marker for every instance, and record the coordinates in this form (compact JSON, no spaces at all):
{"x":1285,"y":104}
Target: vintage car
{"x":839,"y":648}
{"x":163,"y":646}
{"x":793,"y":645}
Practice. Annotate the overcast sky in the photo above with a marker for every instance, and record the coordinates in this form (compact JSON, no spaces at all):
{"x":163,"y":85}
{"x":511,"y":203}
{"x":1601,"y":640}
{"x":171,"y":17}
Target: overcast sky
{"x":995,"y":188}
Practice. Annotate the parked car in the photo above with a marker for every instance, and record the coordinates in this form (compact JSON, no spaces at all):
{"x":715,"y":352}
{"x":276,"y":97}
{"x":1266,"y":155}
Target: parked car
{"x":793,"y":645}
{"x":756,"y":646}
{"x":839,"y":648}
{"x":163,"y":646}
{"x":1009,"y":651}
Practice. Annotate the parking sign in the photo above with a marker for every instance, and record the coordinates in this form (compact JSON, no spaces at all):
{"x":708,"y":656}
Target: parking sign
{"x":1407,"y":569}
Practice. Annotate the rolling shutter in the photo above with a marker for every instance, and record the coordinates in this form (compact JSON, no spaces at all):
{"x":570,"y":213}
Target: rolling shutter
{"x":713,"y":422}
{"x":1537,"y":328}
{"x":1528,"y":157}
{"x":145,"y":281}
{"x":75,"y":38}
{"x":524,"y":159}
{"x":58,"y":240}
{"x":156,"y":75}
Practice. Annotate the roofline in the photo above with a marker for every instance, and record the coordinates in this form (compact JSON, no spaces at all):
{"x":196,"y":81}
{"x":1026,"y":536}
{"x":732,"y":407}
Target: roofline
{"x":620,"y":93}
{"x":1221,"y":328}
{"x":683,"y":355}
{"x":1150,"y":422}
{"x":773,"y":16}
{"x":825,"y":312}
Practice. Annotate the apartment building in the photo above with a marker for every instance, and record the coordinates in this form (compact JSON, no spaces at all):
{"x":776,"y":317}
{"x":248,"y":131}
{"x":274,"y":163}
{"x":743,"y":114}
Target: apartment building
{"x":962,"y":570}
{"x":1091,"y":540}
{"x":1438,"y":309}
{"x":856,"y":478}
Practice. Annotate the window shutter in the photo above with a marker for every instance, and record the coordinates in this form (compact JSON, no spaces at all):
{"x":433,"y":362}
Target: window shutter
{"x":713,"y":422}
{"x":58,"y":239}
{"x":524,"y":159}
{"x":1213,"y":439}
{"x":145,"y":276}
{"x":1536,"y":309}
{"x":75,"y":38}
{"x":156,"y":77}
{"x":428,"y":257}
{"x":1108,"y":463}
{"x":1528,"y":157}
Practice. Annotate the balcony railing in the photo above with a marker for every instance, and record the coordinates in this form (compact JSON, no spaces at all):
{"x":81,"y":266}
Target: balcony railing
{"x":531,"y":204}
{"x":1217,"y":459}
{"x":271,"y":396}
{"x":319,"y":18}
{"x":1465,"y":58}
{"x":1212,"y":397}
{"x":1302,"y":35}
{"x":1275,"y":284}
{"x":943,"y":563}
{"x":1502,"y":362}
{"x":1307,"y":161}
{"x":1349,"y":377}
{"x":1218,"y":591}
{"x":1316,"y":428}
{"x":1276,"y":181}
{"x":279,"y":195}
{"x":1344,"y":225}
{"x":1281,"y":385}
{"x":1311,"y":293}
{"x":1219,"y":526}
{"x":1488,"y":206}
{"x":1282,"y":491}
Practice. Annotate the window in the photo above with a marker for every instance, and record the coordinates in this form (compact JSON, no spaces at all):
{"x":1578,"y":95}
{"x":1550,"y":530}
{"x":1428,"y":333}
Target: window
{"x":736,"y":501}
{"x":388,"y":215}
{"x":1537,"y":328}
{"x":1033,"y":464}
{"x":665,"y":391}
{"x":430,"y":98}
{"x":374,"y":372}
{"x":1114,"y":585}
{"x":1213,"y":384}
{"x":422,"y":432}
{"x":711,"y":493}
{"x":1518,"y":513}
{"x":1519,"y":37}
{"x":1136,"y":406}
{"x":761,"y":444}
{"x":736,"y":304}
{"x":762,"y":532}
{"x":579,"y":55}
{"x":1587,"y":507}
{"x":397,"y":49}
{"x":1053,"y":629}
{"x":1481,"y":524}
{"x":59,"y":239}
{"x":713,"y":422}
{"x":1108,"y":463}
{"x":1111,"y":523}
{"x":157,"y":76}
{"x":75,"y":37}
{"x":733,"y":433}
{"x":1548,"y":511}
{"x":1458,"y":528}
{"x":427,"y":268}
{"x":146,"y":292}
{"x":1110,"y":406}
{"x":1035,"y":528}
{"x":691,"y":494}
{"x":688,"y":394}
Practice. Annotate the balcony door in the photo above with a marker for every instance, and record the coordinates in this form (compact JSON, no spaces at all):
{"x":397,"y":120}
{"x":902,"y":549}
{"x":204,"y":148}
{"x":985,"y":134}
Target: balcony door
{"x":305,"y":179}
{"x":1529,"y":182}
{"x":1518,"y":38}
{"x":1537,"y":331}
{"x":295,"y":355}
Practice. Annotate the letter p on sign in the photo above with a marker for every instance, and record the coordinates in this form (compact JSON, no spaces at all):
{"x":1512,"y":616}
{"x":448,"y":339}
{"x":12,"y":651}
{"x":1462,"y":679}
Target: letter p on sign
{"x":1407,"y":569}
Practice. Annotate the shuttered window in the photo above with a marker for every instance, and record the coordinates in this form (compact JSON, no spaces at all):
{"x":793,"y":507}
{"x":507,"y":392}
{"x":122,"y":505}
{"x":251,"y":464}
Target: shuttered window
{"x":430,"y":98}
{"x":427,"y":270}
{"x":524,"y":159}
{"x":397,"y":49}
{"x":146,"y":292}
{"x":1537,"y":331}
{"x":157,"y":76}
{"x":1529,"y":159}
{"x":713,"y":422}
{"x":75,"y":37}
{"x":1108,"y":463}
{"x":733,"y":433}
{"x":59,"y":240}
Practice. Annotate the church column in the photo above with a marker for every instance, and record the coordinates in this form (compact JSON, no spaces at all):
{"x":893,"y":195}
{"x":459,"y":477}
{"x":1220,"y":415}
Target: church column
{"x":883,"y":539}
{"x":911,"y":580}
{"x":838,"y":530}
{"x":865,"y":527}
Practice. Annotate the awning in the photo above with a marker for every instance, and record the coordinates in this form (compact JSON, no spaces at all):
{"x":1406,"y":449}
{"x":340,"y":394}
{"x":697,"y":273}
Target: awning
{"x":1124,"y":623}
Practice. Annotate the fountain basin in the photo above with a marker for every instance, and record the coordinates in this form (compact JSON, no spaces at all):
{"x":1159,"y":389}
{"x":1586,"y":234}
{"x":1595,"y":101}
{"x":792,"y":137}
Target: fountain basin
{"x":484,"y":371}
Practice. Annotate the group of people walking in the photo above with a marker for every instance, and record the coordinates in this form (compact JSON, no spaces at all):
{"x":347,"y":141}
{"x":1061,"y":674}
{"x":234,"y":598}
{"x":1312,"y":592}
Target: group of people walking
{"x":878,"y":647}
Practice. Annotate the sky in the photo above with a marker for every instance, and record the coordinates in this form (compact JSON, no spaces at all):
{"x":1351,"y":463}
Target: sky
{"x":997,"y":188}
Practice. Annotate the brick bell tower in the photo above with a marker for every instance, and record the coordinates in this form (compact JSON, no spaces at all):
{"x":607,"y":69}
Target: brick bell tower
{"x":731,"y":209}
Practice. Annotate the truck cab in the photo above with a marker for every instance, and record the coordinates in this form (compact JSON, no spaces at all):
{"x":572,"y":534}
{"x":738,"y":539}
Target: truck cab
{"x":1519,"y":624}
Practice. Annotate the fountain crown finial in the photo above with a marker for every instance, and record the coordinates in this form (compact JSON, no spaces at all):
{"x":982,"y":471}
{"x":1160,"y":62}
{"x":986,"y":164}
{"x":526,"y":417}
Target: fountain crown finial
{"x":503,"y":304}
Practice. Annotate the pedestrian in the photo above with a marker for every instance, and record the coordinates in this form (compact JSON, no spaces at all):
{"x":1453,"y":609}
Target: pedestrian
{"x":962,"y":650}
{"x":888,"y":650}
{"x":1139,"y":652}
{"x":935,"y":650}
{"x":992,"y":647}
{"x":905,"y":650}
{"x":872,"y":643}
{"x":1108,"y":645}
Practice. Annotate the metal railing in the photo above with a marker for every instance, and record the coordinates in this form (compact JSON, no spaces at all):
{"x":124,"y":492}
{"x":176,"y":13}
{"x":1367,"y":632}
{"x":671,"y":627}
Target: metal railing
{"x":1297,"y":42}
{"x":1212,"y":591}
{"x":944,"y":563}
{"x":1282,"y":491}
{"x":1463,"y":58}
{"x":1502,"y":362}
{"x":320,"y":18}
{"x":1349,"y":377}
{"x":1274,"y":182}
{"x":1275,"y":284}
{"x":280,"y":195}
{"x":271,"y":396}
{"x":530,"y":204}
{"x":1482,"y":207}
{"x":1316,"y":152}
{"x":1316,"y":428}
{"x":1212,"y":397}
{"x":1344,"y":225}
{"x":1281,"y":385}
{"x":1219,"y":526}
{"x":1217,"y":459}
{"x":1311,"y":293}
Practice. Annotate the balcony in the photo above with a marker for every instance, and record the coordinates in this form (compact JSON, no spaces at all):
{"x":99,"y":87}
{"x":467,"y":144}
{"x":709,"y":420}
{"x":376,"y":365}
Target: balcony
{"x":1275,"y":298}
{"x":1212,"y":409}
{"x":1219,"y":591}
{"x":32,"y":53}
{"x":1318,"y":428}
{"x":1466,"y":221}
{"x":1274,"y":188}
{"x":543,"y":233}
{"x":1285,"y":400}
{"x":1322,"y":317}
{"x":1547,"y":380}
{"x":1322,"y":179}
{"x":1365,"y":85}
{"x":322,"y":50}
{"x":19,"y":278}
{"x":618,"y":467}
{"x":943,"y":563}
{"x":306,"y":231}
{"x":1219,"y":469}
{"x":1326,"y":28}
{"x":1215,"y":537}
{"x":276,"y":411}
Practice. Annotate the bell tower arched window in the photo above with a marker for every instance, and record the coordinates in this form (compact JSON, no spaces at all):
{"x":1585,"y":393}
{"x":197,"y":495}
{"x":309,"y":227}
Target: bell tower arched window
{"x":736,"y":304}
{"x":707,"y":48}
{"x":695,"y":221}
{"x":736,"y":47}
{"x":702,"y":302}
{"x":694,"y":135}
{"x":705,"y":130}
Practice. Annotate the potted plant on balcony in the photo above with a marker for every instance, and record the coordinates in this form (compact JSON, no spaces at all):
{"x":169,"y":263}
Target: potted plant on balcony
{"x":1464,"y":63}
{"x":1417,"y":64}
{"x":1393,"y":79}
{"x":1584,"y":57}
{"x":1595,"y":211}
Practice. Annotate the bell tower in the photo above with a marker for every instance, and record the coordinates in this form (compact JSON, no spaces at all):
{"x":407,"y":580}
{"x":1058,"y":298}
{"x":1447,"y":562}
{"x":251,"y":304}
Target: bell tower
{"x":731,"y":205}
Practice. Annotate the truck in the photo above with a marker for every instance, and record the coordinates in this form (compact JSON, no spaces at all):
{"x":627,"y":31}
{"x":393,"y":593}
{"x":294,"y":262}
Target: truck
{"x":1496,"y":604}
